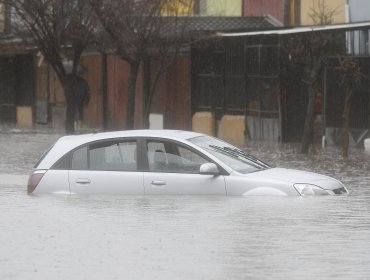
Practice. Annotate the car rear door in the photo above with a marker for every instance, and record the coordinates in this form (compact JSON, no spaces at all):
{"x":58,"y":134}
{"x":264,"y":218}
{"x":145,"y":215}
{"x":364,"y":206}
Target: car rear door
{"x":173,"y":168}
{"x":107,"y":167}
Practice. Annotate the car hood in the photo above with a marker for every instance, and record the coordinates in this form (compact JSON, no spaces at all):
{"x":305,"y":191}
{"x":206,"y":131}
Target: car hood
{"x":297,"y":176}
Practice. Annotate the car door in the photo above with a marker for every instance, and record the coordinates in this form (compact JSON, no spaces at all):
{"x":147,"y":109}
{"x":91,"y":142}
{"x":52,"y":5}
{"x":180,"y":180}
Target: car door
{"x":108,"y":167}
{"x":173,"y":168}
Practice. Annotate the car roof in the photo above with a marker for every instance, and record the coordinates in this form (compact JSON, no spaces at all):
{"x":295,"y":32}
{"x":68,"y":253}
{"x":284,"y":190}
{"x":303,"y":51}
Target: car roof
{"x":160,"y":133}
{"x":70,"y":142}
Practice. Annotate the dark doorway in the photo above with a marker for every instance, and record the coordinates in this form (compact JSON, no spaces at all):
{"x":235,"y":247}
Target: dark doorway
{"x":17,"y":85}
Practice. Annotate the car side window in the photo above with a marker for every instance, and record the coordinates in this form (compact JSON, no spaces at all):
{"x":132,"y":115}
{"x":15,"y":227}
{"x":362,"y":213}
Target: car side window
{"x":171,"y":157}
{"x":189,"y":156}
{"x":128,"y":154}
{"x":106,"y":156}
{"x":157,"y":157}
{"x":79,"y":159}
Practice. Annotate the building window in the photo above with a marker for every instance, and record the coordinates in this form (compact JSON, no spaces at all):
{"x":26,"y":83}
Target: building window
{"x":358,"y":42}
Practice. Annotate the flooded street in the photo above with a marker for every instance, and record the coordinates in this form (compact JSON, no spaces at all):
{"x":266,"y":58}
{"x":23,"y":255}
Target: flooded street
{"x":185,"y":237}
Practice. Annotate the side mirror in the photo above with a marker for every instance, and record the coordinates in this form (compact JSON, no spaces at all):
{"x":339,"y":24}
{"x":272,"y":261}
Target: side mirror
{"x":209,"y":169}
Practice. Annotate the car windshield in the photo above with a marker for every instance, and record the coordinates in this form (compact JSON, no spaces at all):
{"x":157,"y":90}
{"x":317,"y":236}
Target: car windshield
{"x":234,"y":157}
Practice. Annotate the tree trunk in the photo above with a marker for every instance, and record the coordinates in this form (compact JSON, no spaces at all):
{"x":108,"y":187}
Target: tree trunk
{"x":310,"y":116}
{"x":104,"y":72}
{"x":70,"y":115}
{"x":130,"y":106}
{"x":70,"y":106}
{"x":147,"y":95}
{"x":346,"y":112}
{"x":151,"y":91}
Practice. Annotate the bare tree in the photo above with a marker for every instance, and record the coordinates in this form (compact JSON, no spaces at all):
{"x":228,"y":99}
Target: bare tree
{"x":61,"y":30}
{"x":310,"y":51}
{"x":142,"y":31}
{"x":321,"y":13}
{"x":349,"y":68}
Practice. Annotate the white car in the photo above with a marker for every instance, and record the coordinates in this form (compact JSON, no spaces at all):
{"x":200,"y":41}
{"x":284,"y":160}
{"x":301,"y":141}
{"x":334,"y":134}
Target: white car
{"x":166,"y":162}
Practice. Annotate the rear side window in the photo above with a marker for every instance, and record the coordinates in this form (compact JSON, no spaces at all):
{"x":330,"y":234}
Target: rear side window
{"x":109,"y":156}
{"x":79,"y":159}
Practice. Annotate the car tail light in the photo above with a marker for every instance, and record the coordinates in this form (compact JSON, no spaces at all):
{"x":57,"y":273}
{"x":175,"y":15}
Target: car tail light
{"x":34,"y":180}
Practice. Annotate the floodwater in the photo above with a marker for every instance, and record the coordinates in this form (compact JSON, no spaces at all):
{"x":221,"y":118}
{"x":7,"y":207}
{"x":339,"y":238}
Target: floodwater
{"x":185,"y":237}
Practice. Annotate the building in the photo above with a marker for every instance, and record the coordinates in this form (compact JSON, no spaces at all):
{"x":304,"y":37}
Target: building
{"x":230,"y":87}
{"x":42,"y":100}
{"x":17,"y":75}
{"x":293,"y":97}
{"x":358,"y":47}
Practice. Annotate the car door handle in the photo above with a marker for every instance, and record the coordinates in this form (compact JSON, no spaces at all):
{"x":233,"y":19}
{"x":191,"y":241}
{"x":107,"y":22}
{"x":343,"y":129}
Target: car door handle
{"x":158,"y":183}
{"x":83,"y":181}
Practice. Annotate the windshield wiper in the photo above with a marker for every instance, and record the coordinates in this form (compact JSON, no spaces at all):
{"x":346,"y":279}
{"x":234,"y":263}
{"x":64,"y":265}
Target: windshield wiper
{"x":239,"y":153}
{"x":248,"y":156}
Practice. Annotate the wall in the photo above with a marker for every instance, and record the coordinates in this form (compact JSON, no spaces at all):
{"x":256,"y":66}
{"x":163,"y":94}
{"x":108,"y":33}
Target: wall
{"x":171,"y":99}
{"x":50,"y":100}
{"x":42,"y":93}
{"x":331,"y":5}
{"x":118,"y":73}
{"x":93,"y":111}
{"x":224,"y":7}
{"x":177,"y":110}
{"x":359,"y":10}
{"x":175,"y":7}
{"x":293,"y":17}
{"x":274,"y":8}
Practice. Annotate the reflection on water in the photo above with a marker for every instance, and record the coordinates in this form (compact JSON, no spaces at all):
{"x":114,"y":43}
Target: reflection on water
{"x":186,"y":237}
